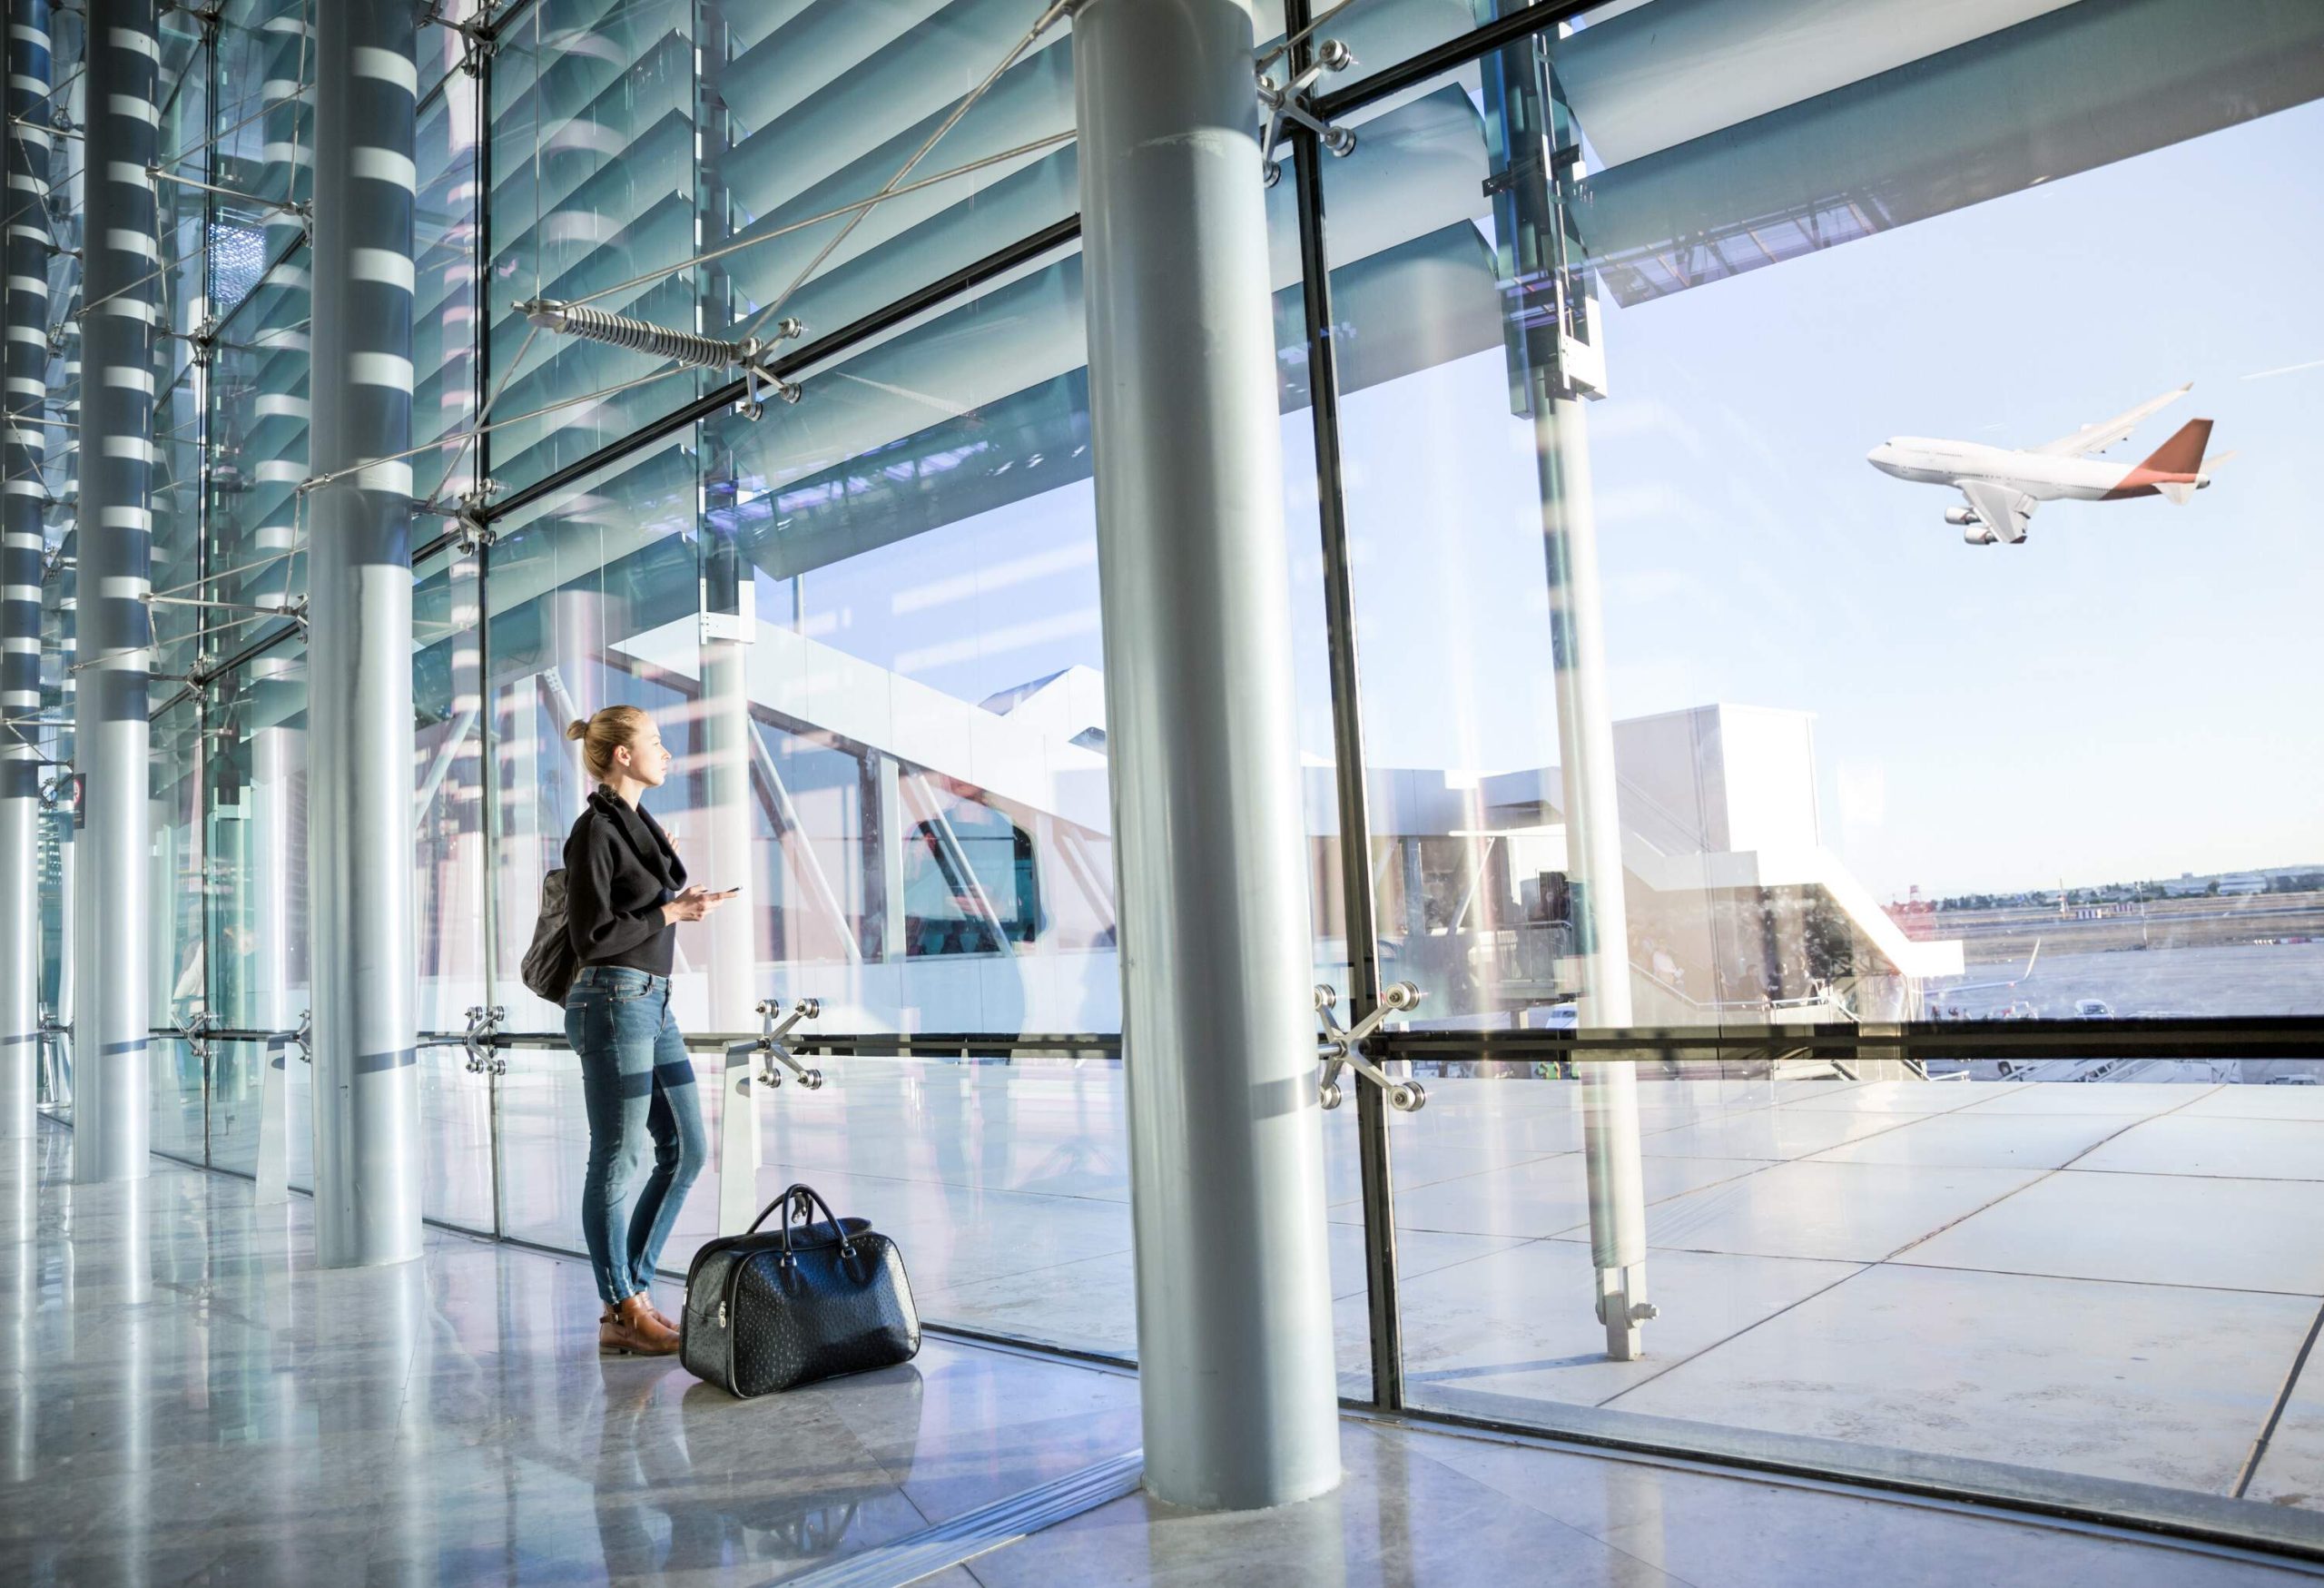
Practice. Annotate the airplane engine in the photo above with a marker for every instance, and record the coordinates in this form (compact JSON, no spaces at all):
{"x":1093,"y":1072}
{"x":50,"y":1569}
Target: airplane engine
{"x":1960,"y":516}
{"x":1976,"y":534}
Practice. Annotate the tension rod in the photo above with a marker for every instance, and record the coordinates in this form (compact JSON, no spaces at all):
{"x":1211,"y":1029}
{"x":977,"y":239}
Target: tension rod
{"x":751,"y":354}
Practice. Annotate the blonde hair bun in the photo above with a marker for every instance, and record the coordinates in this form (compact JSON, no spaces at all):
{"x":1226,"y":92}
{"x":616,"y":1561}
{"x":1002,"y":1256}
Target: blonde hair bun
{"x":607,"y":731}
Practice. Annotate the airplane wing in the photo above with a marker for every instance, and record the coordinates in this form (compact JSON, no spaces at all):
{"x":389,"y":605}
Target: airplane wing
{"x":2024,"y":975}
{"x":2099,"y":437}
{"x":2004,"y":511}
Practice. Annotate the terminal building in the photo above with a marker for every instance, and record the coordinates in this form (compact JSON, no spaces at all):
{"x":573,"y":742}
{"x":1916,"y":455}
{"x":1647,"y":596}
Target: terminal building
{"x":1297,"y":711}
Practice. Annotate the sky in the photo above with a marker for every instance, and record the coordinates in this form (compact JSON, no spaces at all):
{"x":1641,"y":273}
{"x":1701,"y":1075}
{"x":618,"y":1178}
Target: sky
{"x":2131,"y":693}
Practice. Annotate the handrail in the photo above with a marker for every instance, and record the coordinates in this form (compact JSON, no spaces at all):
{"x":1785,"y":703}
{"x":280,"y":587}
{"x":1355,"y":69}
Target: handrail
{"x":2220,"y":1037}
{"x":2204,"y":1037}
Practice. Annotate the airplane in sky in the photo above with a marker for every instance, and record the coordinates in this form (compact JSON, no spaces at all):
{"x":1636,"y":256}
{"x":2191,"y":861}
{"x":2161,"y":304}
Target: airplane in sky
{"x":2003,"y":485}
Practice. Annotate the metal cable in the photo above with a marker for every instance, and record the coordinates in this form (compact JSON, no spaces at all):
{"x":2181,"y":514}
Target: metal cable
{"x":1049,"y":18}
{"x":788,"y":227}
{"x":323,"y":480}
{"x":468,"y":438}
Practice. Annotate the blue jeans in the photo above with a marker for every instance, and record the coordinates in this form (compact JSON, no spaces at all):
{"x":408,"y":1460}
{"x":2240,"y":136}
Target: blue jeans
{"x":638,"y":1085}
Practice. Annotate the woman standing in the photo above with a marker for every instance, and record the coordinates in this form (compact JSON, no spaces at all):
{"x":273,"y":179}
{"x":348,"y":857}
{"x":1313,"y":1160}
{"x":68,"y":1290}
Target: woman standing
{"x":626,"y":893}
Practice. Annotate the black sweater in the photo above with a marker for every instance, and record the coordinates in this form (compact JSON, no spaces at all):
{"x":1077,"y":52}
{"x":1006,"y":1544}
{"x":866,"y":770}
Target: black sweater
{"x":619,"y":871}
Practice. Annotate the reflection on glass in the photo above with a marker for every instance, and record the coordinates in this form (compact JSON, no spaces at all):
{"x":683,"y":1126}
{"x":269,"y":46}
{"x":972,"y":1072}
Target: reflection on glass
{"x":448,"y":903}
{"x":1853,"y":1250}
{"x":174,"y":945}
{"x":595,"y":178}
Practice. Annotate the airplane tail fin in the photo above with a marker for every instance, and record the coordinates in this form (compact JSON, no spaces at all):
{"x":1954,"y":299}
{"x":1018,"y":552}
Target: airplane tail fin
{"x":2184,"y":453}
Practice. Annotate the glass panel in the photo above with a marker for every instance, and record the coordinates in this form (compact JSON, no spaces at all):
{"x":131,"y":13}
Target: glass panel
{"x":174,"y":942}
{"x":263,"y":134}
{"x":256,"y":845}
{"x":823,"y":106}
{"x":593,"y":164}
{"x":572,"y":584}
{"x":440,"y":49}
{"x":444,"y":309}
{"x":915,"y":579}
{"x":1675,"y":347}
{"x":237,"y":1074}
{"x":447,"y":698}
{"x":574,"y":587}
{"x":448,"y":900}
{"x":868,"y":627}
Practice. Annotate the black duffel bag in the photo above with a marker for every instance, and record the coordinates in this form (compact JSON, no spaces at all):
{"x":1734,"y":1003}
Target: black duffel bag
{"x":812,"y":1298}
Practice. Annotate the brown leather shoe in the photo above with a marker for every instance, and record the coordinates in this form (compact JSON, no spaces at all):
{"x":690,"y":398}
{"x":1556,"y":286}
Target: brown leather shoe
{"x":668,"y":1322}
{"x":632,"y":1327}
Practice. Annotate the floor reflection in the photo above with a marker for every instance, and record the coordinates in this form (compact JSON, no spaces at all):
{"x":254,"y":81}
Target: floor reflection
{"x":186,"y":1397}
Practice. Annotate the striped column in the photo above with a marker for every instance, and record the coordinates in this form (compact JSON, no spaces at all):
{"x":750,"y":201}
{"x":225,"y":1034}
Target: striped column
{"x":121,"y":289}
{"x":23,"y":376}
{"x":360,"y":750}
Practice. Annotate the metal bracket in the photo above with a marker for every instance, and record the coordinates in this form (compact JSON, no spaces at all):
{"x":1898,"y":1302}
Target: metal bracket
{"x":738,"y":1122}
{"x":476,"y":534}
{"x":1343,"y":1048}
{"x":1290,"y":102}
{"x":480,"y":35}
{"x":480,"y":1040}
{"x":770,"y":1048}
{"x":203,"y":341}
{"x":759,"y":383}
{"x":195,"y":1034}
{"x":305,"y":1036}
{"x":1620,"y":1309}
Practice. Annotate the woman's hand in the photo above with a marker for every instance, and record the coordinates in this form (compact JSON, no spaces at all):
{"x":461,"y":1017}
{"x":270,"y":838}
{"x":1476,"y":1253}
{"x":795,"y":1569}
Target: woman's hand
{"x":692,"y":904}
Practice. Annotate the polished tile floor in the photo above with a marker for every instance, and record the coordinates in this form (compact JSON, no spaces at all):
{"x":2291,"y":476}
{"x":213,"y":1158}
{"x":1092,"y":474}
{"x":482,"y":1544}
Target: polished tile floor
{"x":2118,"y":1281}
{"x":186,"y":1398}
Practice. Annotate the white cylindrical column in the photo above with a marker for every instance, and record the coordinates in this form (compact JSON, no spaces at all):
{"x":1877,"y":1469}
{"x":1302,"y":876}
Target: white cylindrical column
{"x":1226,"y":1191}
{"x":112,"y":743}
{"x":361,"y":750}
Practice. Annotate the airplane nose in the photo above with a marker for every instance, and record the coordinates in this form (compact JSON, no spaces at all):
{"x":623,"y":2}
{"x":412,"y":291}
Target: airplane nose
{"x":1877,"y":456}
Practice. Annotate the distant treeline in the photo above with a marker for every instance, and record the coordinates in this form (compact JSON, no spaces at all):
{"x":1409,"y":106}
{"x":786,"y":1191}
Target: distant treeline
{"x":2118,"y":893}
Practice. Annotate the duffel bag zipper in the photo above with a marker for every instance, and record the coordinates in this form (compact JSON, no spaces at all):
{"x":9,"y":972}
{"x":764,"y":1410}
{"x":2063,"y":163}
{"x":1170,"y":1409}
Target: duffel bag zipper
{"x":726,"y":1294}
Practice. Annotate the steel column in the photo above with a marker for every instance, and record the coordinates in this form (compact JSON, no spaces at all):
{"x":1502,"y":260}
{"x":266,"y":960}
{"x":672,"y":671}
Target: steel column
{"x":1357,"y":903}
{"x":112,"y":742}
{"x":1593,"y":858}
{"x":723,"y":859}
{"x":1234,"y":1320}
{"x":1555,"y":362}
{"x":24,"y":361}
{"x":361,"y":749}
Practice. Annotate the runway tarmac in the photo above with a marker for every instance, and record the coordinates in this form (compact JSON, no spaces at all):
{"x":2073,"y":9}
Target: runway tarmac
{"x":2243,"y":979}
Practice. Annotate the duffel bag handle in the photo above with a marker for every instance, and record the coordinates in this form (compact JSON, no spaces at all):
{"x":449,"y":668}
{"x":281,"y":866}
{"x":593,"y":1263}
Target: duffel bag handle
{"x":806,"y":1200}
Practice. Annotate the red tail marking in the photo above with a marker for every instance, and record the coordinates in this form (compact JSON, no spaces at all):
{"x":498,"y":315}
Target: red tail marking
{"x":2176,"y":461}
{"x":2184,"y":453}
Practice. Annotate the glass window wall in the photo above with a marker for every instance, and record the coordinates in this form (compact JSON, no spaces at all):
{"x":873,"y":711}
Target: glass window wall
{"x":1677,"y":334}
{"x":1695,"y":740}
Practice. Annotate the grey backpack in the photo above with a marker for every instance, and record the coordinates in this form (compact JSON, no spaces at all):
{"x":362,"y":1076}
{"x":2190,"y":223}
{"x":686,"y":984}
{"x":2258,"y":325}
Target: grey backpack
{"x":551,"y":964}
